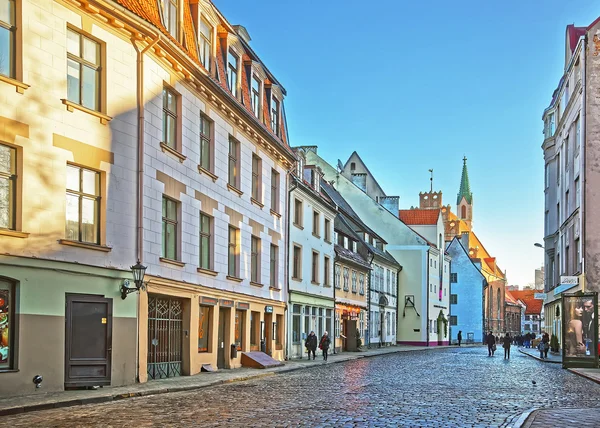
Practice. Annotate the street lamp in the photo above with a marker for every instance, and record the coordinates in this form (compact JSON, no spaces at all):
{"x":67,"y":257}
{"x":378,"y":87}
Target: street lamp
{"x":537,"y":244}
{"x":138,"y":270}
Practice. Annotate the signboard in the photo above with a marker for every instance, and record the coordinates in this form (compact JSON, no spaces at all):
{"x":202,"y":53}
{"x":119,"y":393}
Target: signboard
{"x":580,"y":330}
{"x":540,"y":296}
{"x":268,"y":309}
{"x":243,"y":306}
{"x":209,"y":301}
{"x":226,"y":302}
{"x":566,"y":282}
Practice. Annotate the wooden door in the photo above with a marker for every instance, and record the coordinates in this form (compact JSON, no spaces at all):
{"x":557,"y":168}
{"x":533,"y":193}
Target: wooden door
{"x":269,"y":333}
{"x":88,"y":340}
{"x":221,"y":345}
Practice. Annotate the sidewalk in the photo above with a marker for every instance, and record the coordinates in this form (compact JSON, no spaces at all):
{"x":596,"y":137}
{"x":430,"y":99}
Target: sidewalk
{"x":532,"y":352}
{"x":43,"y":400}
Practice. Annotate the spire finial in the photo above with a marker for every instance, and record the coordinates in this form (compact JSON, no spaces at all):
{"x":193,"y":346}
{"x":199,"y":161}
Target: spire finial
{"x":431,"y":180}
{"x":464,"y":160}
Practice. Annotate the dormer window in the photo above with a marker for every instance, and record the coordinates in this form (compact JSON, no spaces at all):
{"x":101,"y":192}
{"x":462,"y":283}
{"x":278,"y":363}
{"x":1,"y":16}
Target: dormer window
{"x":275,"y":115}
{"x":300,"y":166}
{"x":232,"y":73}
{"x":206,"y":31}
{"x":255,"y":96}
{"x":170,"y":17}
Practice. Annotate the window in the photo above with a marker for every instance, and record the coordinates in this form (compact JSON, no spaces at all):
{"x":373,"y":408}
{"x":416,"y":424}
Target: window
{"x":388,"y":278}
{"x":204,"y":328}
{"x":8,"y":182}
{"x":328,"y":320}
{"x":354,"y":285}
{"x":316,"y":228}
{"x":83,"y":205}
{"x":527,"y":317}
{"x":346,"y":278}
{"x":274,"y":191}
{"x":567,"y":204}
{"x":170,"y":101}
{"x":273,"y":266}
{"x":7,"y":313}
{"x":453,"y":320}
{"x":255,"y":259}
{"x":255,"y":96}
{"x":453,"y":278}
{"x":240,"y":328}
{"x":232,"y":73}
{"x":430,"y":262}
{"x":254,"y":330}
{"x":577,"y":193}
{"x":7,"y":38}
{"x":326,"y":271}
{"x":327,"y":230}
{"x":256,"y":177}
{"x":361,"y":283}
{"x":169,"y":9}
{"x":206,"y":31}
{"x":169,"y":223}
{"x":296,"y":332}
{"x":336,"y":279}
{"x":83,"y":70}
{"x":453,"y":299}
{"x":234,"y":153}
{"x":297,"y":266}
{"x":205,"y":143}
{"x":352,"y":166}
{"x":567,"y":160}
{"x":275,"y":116}
{"x":527,"y":327}
{"x":315,"y":267}
{"x":394,"y":283}
{"x":233,"y":253}
{"x":298,"y":213}
{"x":205,"y":241}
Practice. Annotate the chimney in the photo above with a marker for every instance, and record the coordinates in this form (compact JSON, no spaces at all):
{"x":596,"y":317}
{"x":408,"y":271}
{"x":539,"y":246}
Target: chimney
{"x":360,"y":180}
{"x":390,"y":203}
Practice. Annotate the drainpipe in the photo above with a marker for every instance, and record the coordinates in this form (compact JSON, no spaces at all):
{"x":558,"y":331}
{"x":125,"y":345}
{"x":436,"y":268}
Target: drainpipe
{"x":140,"y":187}
{"x":583,"y":154}
{"x":369,"y":305}
{"x":290,"y":186}
{"x":427,"y":293}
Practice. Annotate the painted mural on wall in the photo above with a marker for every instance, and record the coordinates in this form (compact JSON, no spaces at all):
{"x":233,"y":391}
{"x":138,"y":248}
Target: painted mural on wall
{"x":5,"y":325}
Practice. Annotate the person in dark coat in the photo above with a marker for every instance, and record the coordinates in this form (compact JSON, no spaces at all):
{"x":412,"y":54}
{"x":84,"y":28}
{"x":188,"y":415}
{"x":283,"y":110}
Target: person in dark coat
{"x":491,"y":342}
{"x":459,"y":337}
{"x":546,"y":344}
{"x":506,"y":345}
{"x":324,"y":344}
{"x":311,"y":344}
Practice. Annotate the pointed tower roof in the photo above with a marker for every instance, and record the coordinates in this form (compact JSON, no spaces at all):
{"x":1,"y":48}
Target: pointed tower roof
{"x":465,"y":188}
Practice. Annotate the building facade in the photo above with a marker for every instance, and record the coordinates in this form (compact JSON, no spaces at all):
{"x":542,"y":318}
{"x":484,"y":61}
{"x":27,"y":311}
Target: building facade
{"x":571,"y":130}
{"x":467,"y":285}
{"x":312,"y":259}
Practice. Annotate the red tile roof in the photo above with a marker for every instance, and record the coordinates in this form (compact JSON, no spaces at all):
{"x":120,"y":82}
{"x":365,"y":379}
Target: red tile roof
{"x":534,"y":306}
{"x":419,"y":216}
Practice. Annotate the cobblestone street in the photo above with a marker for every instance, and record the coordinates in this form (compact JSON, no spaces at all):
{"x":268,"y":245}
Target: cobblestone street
{"x":450,"y":388}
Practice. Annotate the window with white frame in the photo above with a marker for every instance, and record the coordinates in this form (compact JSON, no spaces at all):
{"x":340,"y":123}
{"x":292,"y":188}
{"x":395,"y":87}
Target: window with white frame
{"x":205,"y":48}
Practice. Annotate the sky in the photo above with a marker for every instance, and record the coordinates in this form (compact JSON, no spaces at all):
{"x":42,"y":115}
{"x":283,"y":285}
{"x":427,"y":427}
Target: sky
{"x":415,"y":85}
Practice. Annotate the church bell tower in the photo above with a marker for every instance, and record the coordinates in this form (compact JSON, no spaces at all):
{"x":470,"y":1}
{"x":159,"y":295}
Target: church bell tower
{"x":464,"y":200}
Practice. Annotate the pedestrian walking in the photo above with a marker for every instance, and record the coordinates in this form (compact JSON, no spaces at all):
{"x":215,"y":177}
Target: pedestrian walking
{"x":324,"y":344}
{"x":459,"y":337}
{"x":506,"y":345}
{"x":311,"y":344}
{"x":546,"y":340}
{"x":490,"y":339}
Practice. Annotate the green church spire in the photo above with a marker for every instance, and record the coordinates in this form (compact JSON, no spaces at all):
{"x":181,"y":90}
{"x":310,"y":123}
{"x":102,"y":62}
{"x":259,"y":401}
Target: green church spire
{"x":465,"y":188}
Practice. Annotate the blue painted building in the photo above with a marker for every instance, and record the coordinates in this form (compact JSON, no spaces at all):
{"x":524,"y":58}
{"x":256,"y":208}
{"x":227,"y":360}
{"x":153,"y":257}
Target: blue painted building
{"x":466,"y":293}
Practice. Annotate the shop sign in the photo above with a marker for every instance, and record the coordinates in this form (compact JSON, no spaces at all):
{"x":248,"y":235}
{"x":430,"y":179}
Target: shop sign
{"x":540,"y":296}
{"x":566,"y":282}
{"x":227,"y":303}
{"x":209,"y":301}
{"x":243,"y":306}
{"x":268,"y":309}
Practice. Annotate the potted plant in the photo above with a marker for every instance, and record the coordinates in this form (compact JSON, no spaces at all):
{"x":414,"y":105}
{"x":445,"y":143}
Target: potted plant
{"x":554,"y":345}
{"x":358,"y":339}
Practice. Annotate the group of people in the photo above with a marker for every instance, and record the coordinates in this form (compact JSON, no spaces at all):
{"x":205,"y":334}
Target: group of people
{"x":491,"y":341}
{"x":311,"y":344}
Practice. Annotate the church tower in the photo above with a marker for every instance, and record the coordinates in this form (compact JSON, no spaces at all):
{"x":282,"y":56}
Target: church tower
{"x":464,"y":200}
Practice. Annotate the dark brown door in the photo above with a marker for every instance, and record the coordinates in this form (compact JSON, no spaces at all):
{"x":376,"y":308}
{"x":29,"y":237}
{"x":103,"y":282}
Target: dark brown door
{"x":165,"y":337}
{"x":88,"y":340}
{"x":222,"y":345}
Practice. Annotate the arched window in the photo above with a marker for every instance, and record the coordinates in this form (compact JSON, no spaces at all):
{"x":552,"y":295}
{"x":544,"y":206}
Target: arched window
{"x":463,"y":211}
{"x":498,"y":298}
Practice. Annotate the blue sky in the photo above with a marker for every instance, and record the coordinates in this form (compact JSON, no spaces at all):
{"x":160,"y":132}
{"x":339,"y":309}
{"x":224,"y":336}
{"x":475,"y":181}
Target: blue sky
{"x":417,"y":85}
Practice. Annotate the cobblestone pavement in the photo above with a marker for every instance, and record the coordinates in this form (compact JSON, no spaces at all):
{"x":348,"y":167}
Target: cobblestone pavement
{"x":443,"y":388}
{"x":581,"y":418}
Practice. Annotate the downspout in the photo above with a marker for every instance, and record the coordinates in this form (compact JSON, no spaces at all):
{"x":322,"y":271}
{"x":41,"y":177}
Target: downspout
{"x":290,"y":188}
{"x":140,"y":188}
{"x":369,"y":305}
{"x":427,"y":293}
{"x":583,"y":154}
{"x":140,"y":138}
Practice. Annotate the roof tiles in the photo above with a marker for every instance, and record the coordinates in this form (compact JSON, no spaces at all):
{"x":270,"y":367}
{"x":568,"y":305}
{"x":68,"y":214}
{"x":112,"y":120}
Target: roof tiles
{"x":419,"y":216}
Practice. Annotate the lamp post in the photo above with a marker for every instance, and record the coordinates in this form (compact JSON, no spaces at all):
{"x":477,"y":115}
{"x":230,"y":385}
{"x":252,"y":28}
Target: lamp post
{"x":138,"y":270}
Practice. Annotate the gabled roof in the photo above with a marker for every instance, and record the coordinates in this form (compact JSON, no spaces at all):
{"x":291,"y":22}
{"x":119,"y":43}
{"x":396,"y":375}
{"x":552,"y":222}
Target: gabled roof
{"x":465,"y":251}
{"x":533,"y":306}
{"x":508,"y":298}
{"x":418,"y":217}
{"x":366,"y":168}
